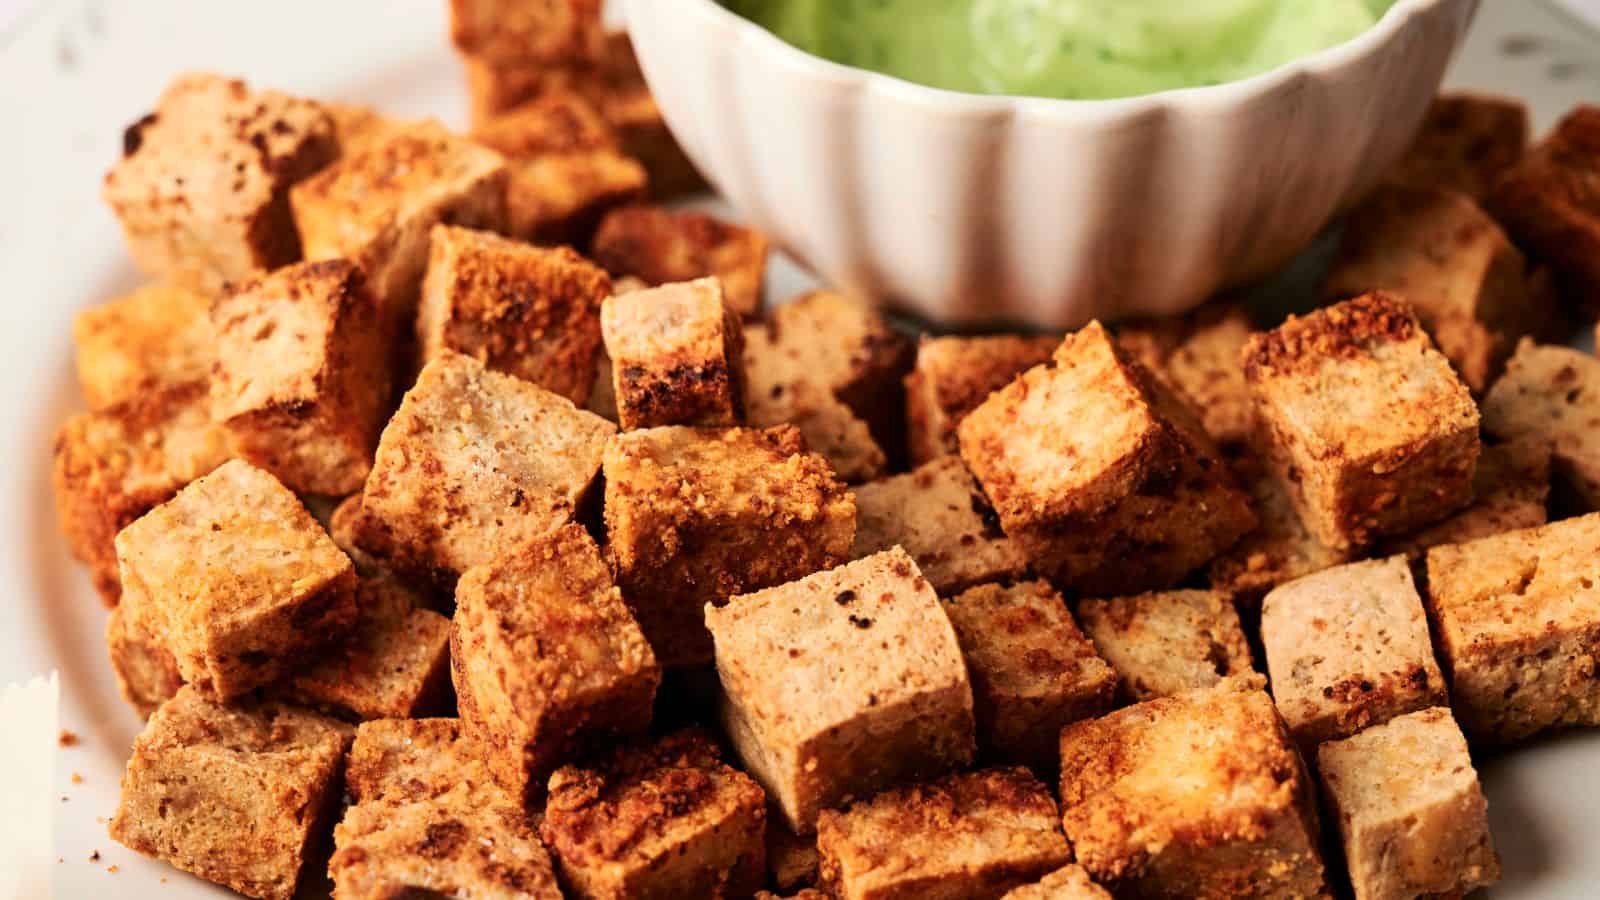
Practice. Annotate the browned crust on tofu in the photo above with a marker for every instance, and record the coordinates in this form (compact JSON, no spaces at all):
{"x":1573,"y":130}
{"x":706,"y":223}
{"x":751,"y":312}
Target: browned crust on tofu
{"x":666,"y":817}
{"x":1550,"y":201}
{"x":156,"y":338}
{"x":663,"y":246}
{"x":1343,"y":331}
{"x":532,"y":312}
{"x":545,"y":32}
{"x":677,"y":355}
{"x":1466,"y":142}
{"x":953,"y":376}
{"x":234,"y":794}
{"x":970,"y":834}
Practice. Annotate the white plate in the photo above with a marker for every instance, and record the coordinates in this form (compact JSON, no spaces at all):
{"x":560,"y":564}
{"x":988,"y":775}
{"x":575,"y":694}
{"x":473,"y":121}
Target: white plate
{"x":77,"y":72}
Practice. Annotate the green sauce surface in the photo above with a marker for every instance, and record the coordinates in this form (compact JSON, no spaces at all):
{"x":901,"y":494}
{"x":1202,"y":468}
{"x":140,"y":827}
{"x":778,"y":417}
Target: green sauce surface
{"x":1067,"y":49}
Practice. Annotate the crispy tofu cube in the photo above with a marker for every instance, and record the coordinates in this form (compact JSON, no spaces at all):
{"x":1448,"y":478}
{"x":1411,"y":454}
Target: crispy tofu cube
{"x":954,"y":375}
{"x":494,"y":88}
{"x":202,"y":189}
{"x":377,"y":206}
{"x":842,"y":684}
{"x":666,"y":818}
{"x":1198,"y":357}
{"x":1366,"y":421}
{"x":156,"y":338}
{"x":841,"y":344}
{"x":301,"y":382}
{"x":1032,"y":670}
{"x":1348,"y":648}
{"x":677,"y":356}
{"x":975,"y":834}
{"x":1070,"y":882}
{"x":1167,"y":642}
{"x":663,"y":246}
{"x":1511,"y":490}
{"x":234,"y":794}
{"x":1452,"y":263}
{"x":696,"y":516}
{"x":551,"y":32}
{"x":147,"y":674}
{"x":1550,"y":200}
{"x":1280,"y":549}
{"x":395,"y":664}
{"x":938,"y":514}
{"x":474,"y":462}
{"x":1197,"y":795}
{"x":532,"y":312}
{"x":236,"y":579}
{"x":1100,"y":474}
{"x":547,"y":660}
{"x":1552,"y":395}
{"x":776,"y":393}
{"x":1517,"y":616}
{"x":1410,"y":810}
{"x":623,"y":97}
{"x":361,"y":127}
{"x":113,"y":466}
{"x":792,"y":859}
{"x":566,"y":170}
{"x":428,"y":819}
{"x":1467,"y":141}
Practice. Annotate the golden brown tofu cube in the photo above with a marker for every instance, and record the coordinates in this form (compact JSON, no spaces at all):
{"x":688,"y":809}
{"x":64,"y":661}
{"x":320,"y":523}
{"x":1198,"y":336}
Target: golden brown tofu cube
{"x":1367,"y":423}
{"x":377,"y":206}
{"x":841,"y":344}
{"x":1032,"y":670}
{"x":474,"y":462}
{"x":777,"y":393}
{"x":235,"y":794}
{"x":1550,"y":200}
{"x":547,"y":660}
{"x":532,"y":312}
{"x":1452,"y":263}
{"x":677,"y":356}
{"x":360,"y":127}
{"x":1168,"y":642}
{"x":1466,"y":142}
{"x":566,"y":168}
{"x":428,"y":820}
{"x":1101,"y":474}
{"x":938,"y":514}
{"x":1348,"y":648}
{"x":113,"y":466}
{"x":695,"y":516}
{"x":662,"y":246}
{"x":1066,"y":883}
{"x":394,"y":665}
{"x":1516,"y":617}
{"x":954,"y":375}
{"x":147,"y":674}
{"x":202,"y":189}
{"x":1280,"y":549}
{"x":1551,"y":395}
{"x":551,"y":32}
{"x":156,"y":338}
{"x":1511,"y":490}
{"x":1198,"y":357}
{"x":666,"y":818}
{"x":842,"y":684}
{"x":1198,"y":795}
{"x":301,"y":383}
{"x":1410,"y":811}
{"x":235,"y":579}
{"x":976,"y":834}
{"x":618,"y":89}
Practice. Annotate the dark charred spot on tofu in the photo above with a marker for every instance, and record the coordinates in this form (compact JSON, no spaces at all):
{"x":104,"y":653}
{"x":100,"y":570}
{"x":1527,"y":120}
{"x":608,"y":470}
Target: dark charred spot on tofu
{"x":442,"y":839}
{"x":133,"y":135}
{"x":861,"y":622}
{"x":845,"y":597}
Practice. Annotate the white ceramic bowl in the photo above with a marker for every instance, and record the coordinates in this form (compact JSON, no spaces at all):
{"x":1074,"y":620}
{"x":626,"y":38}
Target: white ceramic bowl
{"x":965,"y":208}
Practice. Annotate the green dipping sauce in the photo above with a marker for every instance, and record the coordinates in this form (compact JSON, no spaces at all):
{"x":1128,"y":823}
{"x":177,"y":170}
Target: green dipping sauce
{"x":1068,"y":49}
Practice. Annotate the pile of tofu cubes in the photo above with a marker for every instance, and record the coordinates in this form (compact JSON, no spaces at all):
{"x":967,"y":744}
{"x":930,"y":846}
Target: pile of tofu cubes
{"x":451,"y":500}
